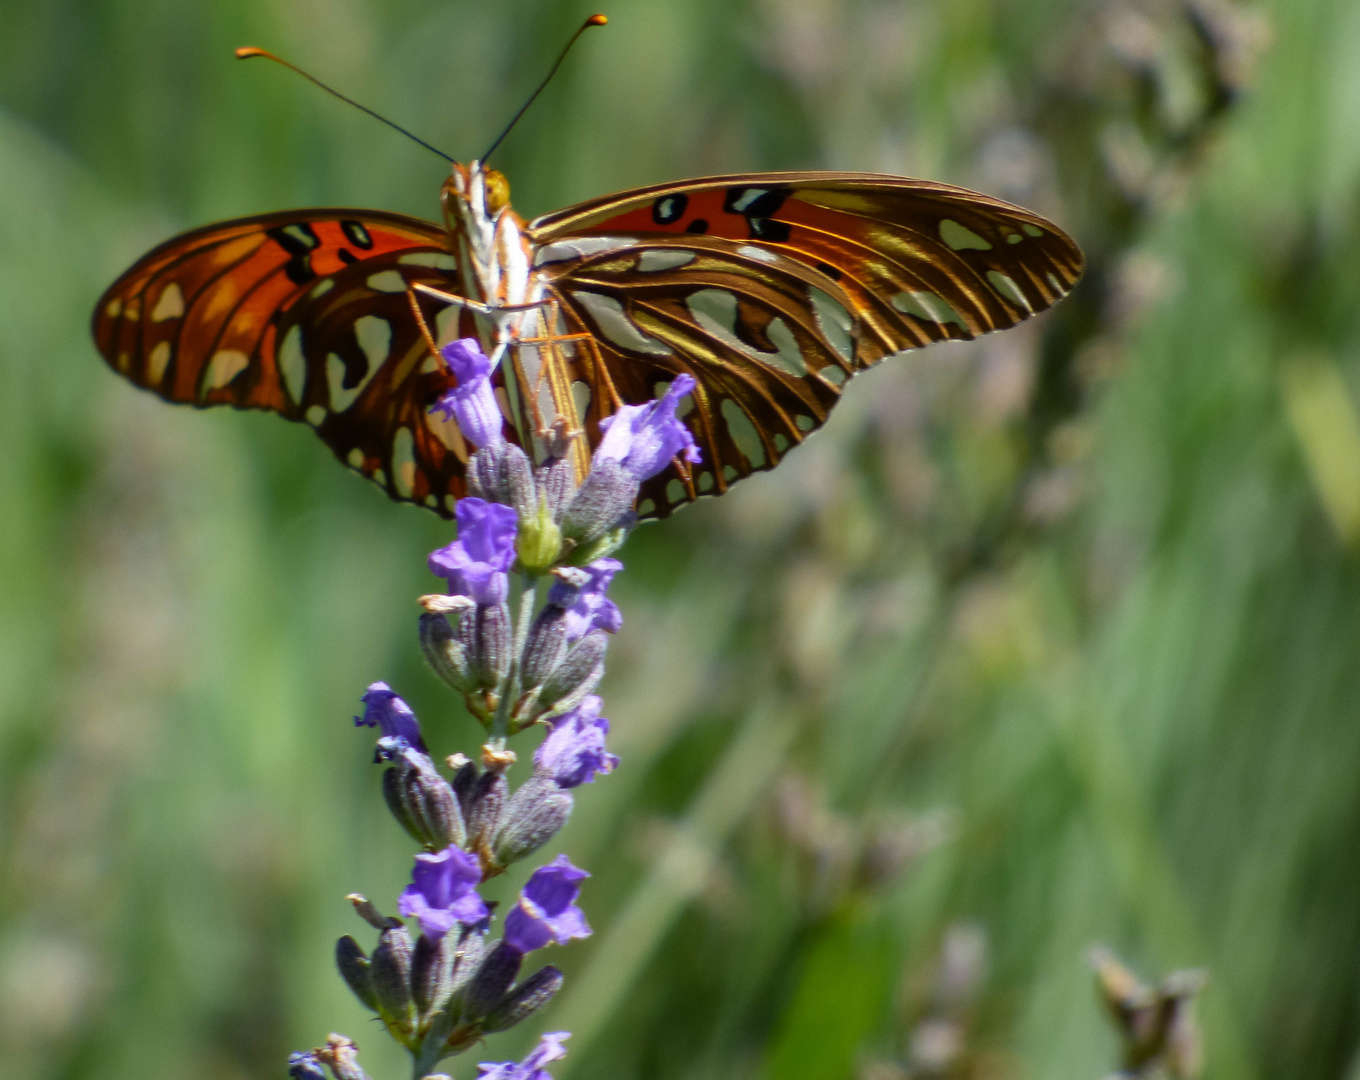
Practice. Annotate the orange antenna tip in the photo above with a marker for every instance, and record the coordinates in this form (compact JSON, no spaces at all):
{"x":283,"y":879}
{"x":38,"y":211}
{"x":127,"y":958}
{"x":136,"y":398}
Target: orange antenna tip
{"x":597,"y":20}
{"x":245,"y":52}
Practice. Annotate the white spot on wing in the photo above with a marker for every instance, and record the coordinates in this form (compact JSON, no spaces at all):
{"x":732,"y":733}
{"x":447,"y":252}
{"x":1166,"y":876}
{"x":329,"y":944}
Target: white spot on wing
{"x":748,"y":196}
{"x":375,"y":338}
{"x":608,"y":313}
{"x":293,"y":365}
{"x":743,"y":433}
{"x":663,"y":259}
{"x":322,"y":287}
{"x":647,"y":506}
{"x":448,"y":432}
{"x":834,"y":322}
{"x":579,"y":248}
{"x":1007,"y":287}
{"x":959,"y":237}
{"x":404,"y":462}
{"x":927,"y":305}
{"x":437,"y":259}
{"x":114,"y":308}
{"x":580,"y":395}
{"x":387,"y":281}
{"x":356,"y":458}
{"x":156,"y":362}
{"x":716,"y":311}
{"x":170,"y":305}
{"x":753,"y":252}
{"x":315,"y":415}
{"x":675,"y":491}
{"x":225,"y":365}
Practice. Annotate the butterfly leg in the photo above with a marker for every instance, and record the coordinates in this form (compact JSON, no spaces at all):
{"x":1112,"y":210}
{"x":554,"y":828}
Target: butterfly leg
{"x":420,"y":322}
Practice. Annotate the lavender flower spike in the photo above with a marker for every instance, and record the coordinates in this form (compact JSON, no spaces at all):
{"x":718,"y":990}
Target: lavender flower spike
{"x":547,"y":910}
{"x":384,"y":709}
{"x":574,"y":750}
{"x":472,"y":402}
{"x":443,"y":892}
{"x":592,"y":610}
{"x":644,"y":438}
{"x":475,"y":564}
{"x":548,"y":1049}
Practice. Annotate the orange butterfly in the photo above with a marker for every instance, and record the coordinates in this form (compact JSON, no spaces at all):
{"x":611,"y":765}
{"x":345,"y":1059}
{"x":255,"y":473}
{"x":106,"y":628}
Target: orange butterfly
{"x":770,"y":289}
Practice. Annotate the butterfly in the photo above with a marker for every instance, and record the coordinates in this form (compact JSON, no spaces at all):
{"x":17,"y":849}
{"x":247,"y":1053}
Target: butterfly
{"x":771,"y":289}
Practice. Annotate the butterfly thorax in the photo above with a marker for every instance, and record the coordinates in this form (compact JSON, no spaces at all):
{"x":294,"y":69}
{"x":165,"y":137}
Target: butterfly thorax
{"x":494,"y":255}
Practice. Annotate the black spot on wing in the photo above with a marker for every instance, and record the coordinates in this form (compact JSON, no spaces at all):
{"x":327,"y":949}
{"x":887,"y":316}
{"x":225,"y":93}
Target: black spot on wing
{"x":347,"y":257}
{"x":356,"y":234}
{"x":698,"y":226}
{"x":753,"y":202}
{"x":776,"y":232}
{"x":669,"y":209}
{"x":298,"y":240}
{"x":829,"y":270}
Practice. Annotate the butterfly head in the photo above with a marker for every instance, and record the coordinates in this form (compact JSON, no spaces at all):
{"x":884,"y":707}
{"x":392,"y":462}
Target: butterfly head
{"x":474,"y":193}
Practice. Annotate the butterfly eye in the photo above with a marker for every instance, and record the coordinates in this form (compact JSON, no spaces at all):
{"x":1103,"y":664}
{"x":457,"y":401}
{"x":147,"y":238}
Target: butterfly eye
{"x":497,"y":191}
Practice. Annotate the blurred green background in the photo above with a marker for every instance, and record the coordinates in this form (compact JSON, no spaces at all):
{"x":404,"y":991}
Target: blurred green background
{"x":1046,"y":640}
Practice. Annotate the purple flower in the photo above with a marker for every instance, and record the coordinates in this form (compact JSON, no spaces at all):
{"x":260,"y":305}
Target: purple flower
{"x":644,"y":438}
{"x":531,"y":1068}
{"x":591,"y":610}
{"x":475,"y":564}
{"x":383,"y":709}
{"x":443,"y":892}
{"x":547,"y":910}
{"x":472,"y":401}
{"x":574,"y":750}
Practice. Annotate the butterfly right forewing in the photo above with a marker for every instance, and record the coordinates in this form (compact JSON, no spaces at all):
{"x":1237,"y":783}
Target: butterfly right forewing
{"x":304,"y":314}
{"x":771,"y":290}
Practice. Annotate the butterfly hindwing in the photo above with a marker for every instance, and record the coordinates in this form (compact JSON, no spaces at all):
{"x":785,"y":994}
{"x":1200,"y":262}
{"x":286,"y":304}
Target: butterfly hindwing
{"x":767,"y":340}
{"x":772,"y":289}
{"x":304,"y":314}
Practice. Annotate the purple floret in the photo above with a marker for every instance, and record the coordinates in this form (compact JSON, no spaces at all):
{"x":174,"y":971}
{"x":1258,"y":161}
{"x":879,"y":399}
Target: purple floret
{"x":547,"y":910}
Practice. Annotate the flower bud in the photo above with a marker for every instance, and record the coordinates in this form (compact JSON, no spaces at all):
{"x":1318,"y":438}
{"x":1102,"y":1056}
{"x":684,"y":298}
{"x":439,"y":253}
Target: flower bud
{"x":579,"y":672}
{"x":606,"y":545}
{"x":502,"y":474}
{"x":556,"y":482}
{"x":354,"y":969}
{"x":600,"y":502}
{"x":423,"y":802}
{"x":467,"y":961}
{"x":491,"y":644}
{"x":544,"y":646}
{"x":444,"y":651}
{"x":485,"y":802}
{"x":533,"y":816}
{"x":432,"y":967}
{"x":493,"y":979}
{"x":540,"y":540}
{"x":525,"y":1000}
{"x":365,"y":909}
{"x":390,"y":968}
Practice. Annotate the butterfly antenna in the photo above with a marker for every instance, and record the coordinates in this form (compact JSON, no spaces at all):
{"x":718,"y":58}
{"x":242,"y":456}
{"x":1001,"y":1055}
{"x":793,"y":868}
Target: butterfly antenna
{"x":594,"y":20}
{"x":247,"y":51}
